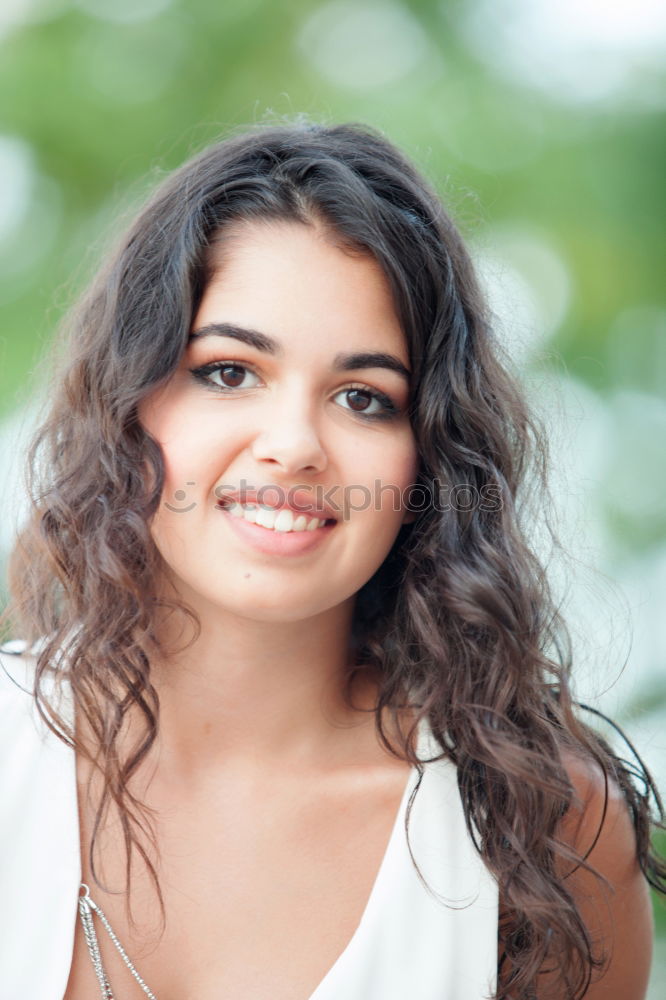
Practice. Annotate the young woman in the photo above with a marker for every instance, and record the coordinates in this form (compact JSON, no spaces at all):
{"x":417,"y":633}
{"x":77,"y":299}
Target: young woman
{"x":292,"y":715}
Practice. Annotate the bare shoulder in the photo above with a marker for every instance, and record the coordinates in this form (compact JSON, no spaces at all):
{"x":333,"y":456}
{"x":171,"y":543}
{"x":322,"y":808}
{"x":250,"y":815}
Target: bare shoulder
{"x":598,"y":824}
{"x":616,"y":906}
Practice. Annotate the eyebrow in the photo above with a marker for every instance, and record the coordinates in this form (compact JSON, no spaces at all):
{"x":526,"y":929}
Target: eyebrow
{"x":268,"y":345}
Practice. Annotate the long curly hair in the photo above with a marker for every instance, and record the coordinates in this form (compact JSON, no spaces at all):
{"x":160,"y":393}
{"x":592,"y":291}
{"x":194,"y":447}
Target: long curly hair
{"x":459,"y":621}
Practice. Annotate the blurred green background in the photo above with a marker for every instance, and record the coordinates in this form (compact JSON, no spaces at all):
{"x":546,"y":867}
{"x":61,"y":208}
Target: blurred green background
{"x":541,"y":124}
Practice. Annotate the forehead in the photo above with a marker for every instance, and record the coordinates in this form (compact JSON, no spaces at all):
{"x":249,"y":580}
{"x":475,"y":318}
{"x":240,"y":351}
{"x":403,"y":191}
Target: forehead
{"x":296,"y":283}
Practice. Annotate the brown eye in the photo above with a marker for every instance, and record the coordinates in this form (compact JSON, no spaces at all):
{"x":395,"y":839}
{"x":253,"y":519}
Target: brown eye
{"x":368,"y":403}
{"x":359,"y":400}
{"x":226,"y":376}
{"x":231,"y":375}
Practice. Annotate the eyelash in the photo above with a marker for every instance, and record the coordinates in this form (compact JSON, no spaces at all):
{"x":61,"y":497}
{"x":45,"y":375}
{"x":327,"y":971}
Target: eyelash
{"x":390,"y":410}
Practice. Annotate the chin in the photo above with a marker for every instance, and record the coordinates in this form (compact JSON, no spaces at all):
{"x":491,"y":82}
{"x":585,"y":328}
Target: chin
{"x":269,"y":605}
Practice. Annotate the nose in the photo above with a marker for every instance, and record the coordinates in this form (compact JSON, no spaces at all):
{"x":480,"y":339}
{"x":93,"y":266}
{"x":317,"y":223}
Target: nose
{"x":291,"y":441}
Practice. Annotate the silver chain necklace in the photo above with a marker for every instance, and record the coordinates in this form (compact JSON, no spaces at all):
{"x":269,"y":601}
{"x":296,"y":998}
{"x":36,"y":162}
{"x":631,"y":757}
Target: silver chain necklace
{"x":87,"y":907}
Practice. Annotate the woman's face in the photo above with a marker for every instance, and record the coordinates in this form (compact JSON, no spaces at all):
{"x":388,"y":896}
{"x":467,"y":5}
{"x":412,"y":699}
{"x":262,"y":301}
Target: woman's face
{"x":294,"y":379}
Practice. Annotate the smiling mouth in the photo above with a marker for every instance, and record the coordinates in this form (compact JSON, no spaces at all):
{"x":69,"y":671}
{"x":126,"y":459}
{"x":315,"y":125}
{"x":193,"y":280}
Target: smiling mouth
{"x":283,"y":521}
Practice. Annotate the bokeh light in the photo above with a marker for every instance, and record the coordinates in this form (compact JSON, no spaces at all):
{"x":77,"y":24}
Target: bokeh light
{"x":588,"y":51}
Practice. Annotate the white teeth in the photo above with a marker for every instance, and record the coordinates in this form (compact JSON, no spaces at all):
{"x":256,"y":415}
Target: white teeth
{"x":265,"y":517}
{"x":248,"y":513}
{"x":284,"y":521}
{"x":275,"y":520}
{"x":235,"y":510}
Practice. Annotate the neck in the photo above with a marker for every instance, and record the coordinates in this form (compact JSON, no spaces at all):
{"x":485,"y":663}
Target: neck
{"x":245,"y":692}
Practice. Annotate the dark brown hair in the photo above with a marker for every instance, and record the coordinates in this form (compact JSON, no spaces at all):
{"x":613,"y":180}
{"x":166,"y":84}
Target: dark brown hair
{"x":459,"y":621}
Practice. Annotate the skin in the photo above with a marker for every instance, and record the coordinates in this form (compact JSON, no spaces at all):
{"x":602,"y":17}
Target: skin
{"x":289,"y":423}
{"x":618,"y":916}
{"x":261,"y":772}
{"x":251,"y":711}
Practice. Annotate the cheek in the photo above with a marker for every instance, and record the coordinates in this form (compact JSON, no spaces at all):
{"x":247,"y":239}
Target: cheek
{"x":191,"y":446}
{"x":383,"y":491}
{"x":410,"y":462}
{"x":399,"y":467}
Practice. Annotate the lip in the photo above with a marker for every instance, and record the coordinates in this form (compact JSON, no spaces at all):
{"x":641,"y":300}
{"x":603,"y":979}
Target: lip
{"x":279,"y":543}
{"x":302,"y":502}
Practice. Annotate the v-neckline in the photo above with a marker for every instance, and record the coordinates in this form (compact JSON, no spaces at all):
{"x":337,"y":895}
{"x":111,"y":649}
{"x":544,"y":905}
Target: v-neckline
{"x":365,"y":922}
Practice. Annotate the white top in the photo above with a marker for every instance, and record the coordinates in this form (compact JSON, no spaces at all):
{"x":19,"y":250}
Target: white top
{"x":407,"y":944}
